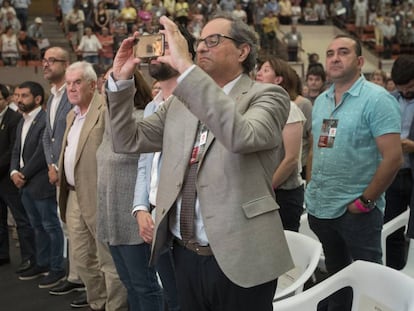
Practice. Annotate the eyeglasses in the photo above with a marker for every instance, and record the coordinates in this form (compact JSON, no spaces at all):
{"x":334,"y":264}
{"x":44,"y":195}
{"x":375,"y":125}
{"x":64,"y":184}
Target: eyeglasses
{"x":51,"y":60}
{"x":213,"y":40}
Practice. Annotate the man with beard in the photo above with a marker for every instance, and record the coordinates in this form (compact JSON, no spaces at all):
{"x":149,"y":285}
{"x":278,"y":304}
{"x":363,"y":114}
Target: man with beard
{"x":29,"y":172}
{"x":356,"y":154}
{"x":399,"y":193}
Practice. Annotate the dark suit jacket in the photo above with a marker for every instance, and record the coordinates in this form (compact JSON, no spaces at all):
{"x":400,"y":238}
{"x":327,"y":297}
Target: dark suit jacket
{"x":7,"y":137}
{"x":35,"y":168}
{"x":52,"y":138}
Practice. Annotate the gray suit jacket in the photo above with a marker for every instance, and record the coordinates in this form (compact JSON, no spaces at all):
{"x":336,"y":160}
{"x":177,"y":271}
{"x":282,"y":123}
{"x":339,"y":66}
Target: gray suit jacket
{"x":85,"y":162}
{"x":52,"y":138}
{"x":234,"y":188}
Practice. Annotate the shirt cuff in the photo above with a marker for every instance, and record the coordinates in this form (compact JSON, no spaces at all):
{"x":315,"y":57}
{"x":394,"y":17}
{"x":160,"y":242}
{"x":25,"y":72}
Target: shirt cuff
{"x":139,"y":208}
{"x":13,"y":172}
{"x":185,"y":73}
{"x":116,"y":86}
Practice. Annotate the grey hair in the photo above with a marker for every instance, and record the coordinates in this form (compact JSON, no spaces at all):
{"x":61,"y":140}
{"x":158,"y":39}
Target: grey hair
{"x":88,"y":73}
{"x":242,"y":34}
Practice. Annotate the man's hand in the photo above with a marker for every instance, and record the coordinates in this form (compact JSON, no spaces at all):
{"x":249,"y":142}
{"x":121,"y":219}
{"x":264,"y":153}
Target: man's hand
{"x":53,"y":175}
{"x":18,"y":179}
{"x":146,"y":226}
{"x":353,"y":209}
{"x":124,"y":62}
{"x":178,"y":57}
{"x":407,"y":145}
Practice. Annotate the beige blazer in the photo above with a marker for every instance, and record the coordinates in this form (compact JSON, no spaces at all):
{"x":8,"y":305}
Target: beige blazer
{"x":85,"y":163}
{"x":234,"y":188}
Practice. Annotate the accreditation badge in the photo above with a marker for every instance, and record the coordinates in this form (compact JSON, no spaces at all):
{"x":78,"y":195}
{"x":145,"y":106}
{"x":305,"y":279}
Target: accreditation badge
{"x":328,"y":133}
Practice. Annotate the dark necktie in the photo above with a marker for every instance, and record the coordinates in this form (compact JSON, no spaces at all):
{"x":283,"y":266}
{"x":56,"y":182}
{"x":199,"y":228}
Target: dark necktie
{"x":189,"y":191}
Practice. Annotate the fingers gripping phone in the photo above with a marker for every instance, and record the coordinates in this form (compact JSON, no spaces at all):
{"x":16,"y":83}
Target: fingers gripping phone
{"x":149,"y":46}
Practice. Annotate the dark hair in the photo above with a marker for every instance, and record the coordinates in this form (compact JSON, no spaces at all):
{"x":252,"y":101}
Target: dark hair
{"x":4,"y":91}
{"x":358,"y":47}
{"x":143,"y":93}
{"x":402,"y":71}
{"x":190,"y":40}
{"x":316,"y":71}
{"x":35,"y":89}
{"x":242,"y":34}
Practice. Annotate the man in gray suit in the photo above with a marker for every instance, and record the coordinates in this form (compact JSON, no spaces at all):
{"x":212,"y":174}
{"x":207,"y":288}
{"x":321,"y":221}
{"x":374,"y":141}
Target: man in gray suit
{"x":54,"y":63}
{"x":237,"y":250}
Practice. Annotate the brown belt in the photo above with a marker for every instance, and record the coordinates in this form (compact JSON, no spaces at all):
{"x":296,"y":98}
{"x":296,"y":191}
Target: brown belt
{"x":196,"y":248}
{"x":71,"y":188}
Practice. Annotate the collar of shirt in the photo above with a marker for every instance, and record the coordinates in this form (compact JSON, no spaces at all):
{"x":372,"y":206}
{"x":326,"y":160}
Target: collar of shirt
{"x":77,"y":111}
{"x":229,"y":86}
{"x":59,"y":91}
{"x":28,"y":117}
{"x":2,"y":114}
{"x":354,"y":90}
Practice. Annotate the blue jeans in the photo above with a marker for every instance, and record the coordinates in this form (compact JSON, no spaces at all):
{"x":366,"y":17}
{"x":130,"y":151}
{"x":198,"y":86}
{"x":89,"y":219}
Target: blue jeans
{"x":345,"y":239}
{"x":24,"y":229}
{"x":140,"y":280}
{"x":48,"y":232}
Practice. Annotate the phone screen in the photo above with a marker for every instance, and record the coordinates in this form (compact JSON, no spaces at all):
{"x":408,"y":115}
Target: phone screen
{"x":149,"y":46}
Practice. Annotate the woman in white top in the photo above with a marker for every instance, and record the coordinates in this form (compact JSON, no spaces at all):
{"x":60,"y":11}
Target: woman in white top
{"x":286,"y":180}
{"x":89,"y":47}
{"x":10,"y":47}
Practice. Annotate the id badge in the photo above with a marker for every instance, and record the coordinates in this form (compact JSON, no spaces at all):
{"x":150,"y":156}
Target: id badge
{"x":328,"y":133}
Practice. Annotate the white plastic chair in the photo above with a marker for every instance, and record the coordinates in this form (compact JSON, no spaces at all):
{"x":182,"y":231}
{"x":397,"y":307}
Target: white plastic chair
{"x":409,"y":267}
{"x":375,"y":287}
{"x":389,"y":228}
{"x":305,"y":252}
{"x":306,"y":230}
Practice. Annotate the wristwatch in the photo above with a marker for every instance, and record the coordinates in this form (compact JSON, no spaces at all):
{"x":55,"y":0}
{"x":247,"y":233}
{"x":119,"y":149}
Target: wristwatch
{"x":367,"y":202}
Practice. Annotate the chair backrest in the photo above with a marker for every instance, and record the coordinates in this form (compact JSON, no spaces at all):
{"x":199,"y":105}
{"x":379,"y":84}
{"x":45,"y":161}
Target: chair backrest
{"x":389,"y":228}
{"x":305,"y":253}
{"x":409,"y":267}
{"x":306,"y":230}
{"x":375,"y":287}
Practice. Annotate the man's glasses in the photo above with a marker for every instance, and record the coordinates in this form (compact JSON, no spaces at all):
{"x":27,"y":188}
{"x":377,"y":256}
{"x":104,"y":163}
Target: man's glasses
{"x":213,"y":40}
{"x":51,"y":60}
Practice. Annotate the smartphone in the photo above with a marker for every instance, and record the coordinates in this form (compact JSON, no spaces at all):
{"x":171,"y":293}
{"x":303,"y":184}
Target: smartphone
{"x":149,"y":46}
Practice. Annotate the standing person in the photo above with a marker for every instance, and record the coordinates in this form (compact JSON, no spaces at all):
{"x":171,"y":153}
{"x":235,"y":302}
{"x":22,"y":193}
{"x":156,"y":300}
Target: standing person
{"x":22,"y":11}
{"x":28,"y":171}
{"x":115,"y":226}
{"x":9,"y":195}
{"x":399,"y":194}
{"x":355,"y":156}
{"x":89,"y":47}
{"x":293,"y":40}
{"x":315,"y":81}
{"x":244,"y":121}
{"x":287,"y":181}
{"x":85,"y":125}
{"x":54,"y":64}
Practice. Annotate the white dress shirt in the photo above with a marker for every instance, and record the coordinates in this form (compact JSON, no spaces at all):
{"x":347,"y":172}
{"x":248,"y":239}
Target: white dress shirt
{"x":57,"y":96}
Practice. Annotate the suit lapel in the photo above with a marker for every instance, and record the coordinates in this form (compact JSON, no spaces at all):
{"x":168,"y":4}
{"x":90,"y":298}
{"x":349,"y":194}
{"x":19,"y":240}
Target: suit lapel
{"x":32,"y":127}
{"x":59,"y":109}
{"x":90,"y":121}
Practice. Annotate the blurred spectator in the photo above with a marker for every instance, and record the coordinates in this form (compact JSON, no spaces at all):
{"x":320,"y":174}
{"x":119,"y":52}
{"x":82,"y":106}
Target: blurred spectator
{"x":10,"y":47}
{"x":361,"y":11}
{"x":119,"y":36}
{"x":129,"y":14}
{"x":228,"y":5}
{"x":406,"y":34}
{"x":321,"y":11}
{"x":285,"y":12}
{"x":378,"y":77}
{"x":89,"y":47}
{"x":157,"y":9}
{"x":390,"y":85}
{"x":378,"y":22}
{"x":27,"y":45}
{"x":315,"y":80}
{"x":389,"y":32}
{"x":65,"y":7}
{"x":309,"y":14}
{"x":296,"y":12}
{"x":113,"y":7}
{"x":107,"y":52}
{"x":75,"y":21}
{"x":272,"y":6}
{"x":22,"y":8}
{"x":12,"y":21}
{"x":155,"y":88}
{"x":181,"y":12}
{"x":313,"y":60}
{"x":197,"y":22}
{"x":88,"y":9}
{"x":6,"y":7}
{"x":337,"y":10}
{"x":35,"y":32}
{"x":213,"y":9}
{"x":259,"y":12}
{"x":101,"y":17}
{"x":270,"y":27}
{"x":170,"y":7}
{"x":117,"y":24}
{"x":240,"y":13}
{"x":293,"y":40}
